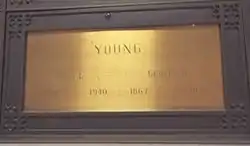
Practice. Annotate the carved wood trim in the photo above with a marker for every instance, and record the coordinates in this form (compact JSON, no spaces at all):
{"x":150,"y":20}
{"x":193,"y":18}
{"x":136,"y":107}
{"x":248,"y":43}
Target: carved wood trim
{"x":20,"y":2}
{"x":228,"y":14}
{"x":236,"y":118}
{"x":12,"y":118}
{"x":216,"y":12}
{"x":231,"y":15}
{"x":17,"y":23}
{"x":13,"y":121}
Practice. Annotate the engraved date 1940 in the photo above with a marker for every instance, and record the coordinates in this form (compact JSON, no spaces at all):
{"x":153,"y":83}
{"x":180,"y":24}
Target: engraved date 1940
{"x":98,"y":91}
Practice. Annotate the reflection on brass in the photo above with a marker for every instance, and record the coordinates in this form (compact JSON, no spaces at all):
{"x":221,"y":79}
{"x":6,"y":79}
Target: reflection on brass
{"x":151,"y":69}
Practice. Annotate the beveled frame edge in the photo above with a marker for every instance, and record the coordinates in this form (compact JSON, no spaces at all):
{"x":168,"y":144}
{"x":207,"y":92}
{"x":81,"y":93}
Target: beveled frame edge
{"x":246,"y":14}
{"x":246,"y":19}
{"x":2,"y":46}
{"x":128,"y":139}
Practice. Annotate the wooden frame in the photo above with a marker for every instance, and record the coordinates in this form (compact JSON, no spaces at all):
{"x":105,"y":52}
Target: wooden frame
{"x":2,"y":32}
{"x":246,"y":12}
{"x":27,"y":15}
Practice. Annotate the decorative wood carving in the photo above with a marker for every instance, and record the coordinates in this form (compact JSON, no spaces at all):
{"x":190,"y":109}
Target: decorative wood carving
{"x":16,"y":23}
{"x":13,"y":121}
{"x":216,"y":11}
{"x":20,"y":2}
{"x":236,"y":118}
{"x":229,"y":14}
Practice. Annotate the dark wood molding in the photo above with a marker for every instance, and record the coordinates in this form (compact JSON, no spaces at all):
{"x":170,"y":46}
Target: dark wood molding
{"x":246,"y":13}
{"x":22,"y":16}
{"x":2,"y":42}
{"x":129,"y":139}
{"x":246,"y":20}
{"x":24,"y":5}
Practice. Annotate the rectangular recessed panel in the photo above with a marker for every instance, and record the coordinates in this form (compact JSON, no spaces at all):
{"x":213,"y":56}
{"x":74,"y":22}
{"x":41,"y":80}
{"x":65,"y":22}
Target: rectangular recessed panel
{"x":148,"y":69}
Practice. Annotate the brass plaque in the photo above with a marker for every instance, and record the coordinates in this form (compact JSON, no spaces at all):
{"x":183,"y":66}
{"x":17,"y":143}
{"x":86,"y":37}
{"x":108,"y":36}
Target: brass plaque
{"x":153,"y":69}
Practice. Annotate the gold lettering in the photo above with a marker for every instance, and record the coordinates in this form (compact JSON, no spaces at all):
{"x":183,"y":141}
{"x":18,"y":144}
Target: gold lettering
{"x":97,"y":91}
{"x":107,"y":49}
{"x":137,"y":49}
{"x":138,"y":91}
{"x":97,"y":48}
{"x":158,"y":74}
{"x":117,"y":49}
{"x":126,"y":48}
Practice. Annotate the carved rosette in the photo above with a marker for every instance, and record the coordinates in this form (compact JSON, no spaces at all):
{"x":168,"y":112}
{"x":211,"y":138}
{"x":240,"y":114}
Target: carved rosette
{"x":231,"y":16}
{"x":236,"y":118}
{"x":12,"y":120}
{"x":228,"y":14}
{"x":20,"y":2}
{"x":17,"y":23}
